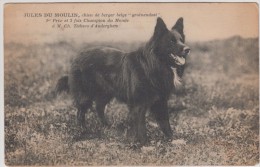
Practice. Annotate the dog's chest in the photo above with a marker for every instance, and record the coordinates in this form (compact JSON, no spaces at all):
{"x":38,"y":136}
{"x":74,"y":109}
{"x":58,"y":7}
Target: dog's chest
{"x":177,"y":81}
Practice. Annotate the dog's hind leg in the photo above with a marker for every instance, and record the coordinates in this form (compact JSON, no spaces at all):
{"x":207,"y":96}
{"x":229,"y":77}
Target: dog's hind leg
{"x":80,"y":93}
{"x":100,"y":107}
{"x":160,"y":111}
{"x":82,"y":109}
{"x":137,"y":124}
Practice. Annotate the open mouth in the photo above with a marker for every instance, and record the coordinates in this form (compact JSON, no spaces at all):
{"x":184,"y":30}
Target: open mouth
{"x":178,"y":59}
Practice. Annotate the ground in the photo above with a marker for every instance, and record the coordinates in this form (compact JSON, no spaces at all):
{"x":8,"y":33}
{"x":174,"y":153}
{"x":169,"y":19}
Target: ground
{"x":216,"y":121}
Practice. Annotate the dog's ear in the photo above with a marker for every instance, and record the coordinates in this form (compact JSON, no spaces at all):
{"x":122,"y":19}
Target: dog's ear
{"x":179,"y":25}
{"x":160,"y":28}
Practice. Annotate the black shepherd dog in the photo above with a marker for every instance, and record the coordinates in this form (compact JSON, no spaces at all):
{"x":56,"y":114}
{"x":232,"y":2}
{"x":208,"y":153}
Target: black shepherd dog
{"x":143,"y":79}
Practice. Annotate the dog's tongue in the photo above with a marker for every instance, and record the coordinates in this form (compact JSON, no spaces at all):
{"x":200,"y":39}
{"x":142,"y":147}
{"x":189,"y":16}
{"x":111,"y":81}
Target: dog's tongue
{"x":181,"y":60}
{"x":178,"y":60}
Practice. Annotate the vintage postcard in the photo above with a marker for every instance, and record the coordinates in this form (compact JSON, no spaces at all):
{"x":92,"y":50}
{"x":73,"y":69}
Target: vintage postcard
{"x":126,"y":84}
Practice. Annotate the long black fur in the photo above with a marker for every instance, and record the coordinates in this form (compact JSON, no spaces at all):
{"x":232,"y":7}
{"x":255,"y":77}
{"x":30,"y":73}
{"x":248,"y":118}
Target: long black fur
{"x":142,"y":79}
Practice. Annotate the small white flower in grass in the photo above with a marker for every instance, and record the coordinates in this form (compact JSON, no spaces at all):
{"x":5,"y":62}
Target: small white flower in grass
{"x":64,"y":125}
{"x":51,"y":127}
{"x":22,"y":109}
{"x":179,"y":142}
{"x":102,"y":147}
{"x":147,"y":149}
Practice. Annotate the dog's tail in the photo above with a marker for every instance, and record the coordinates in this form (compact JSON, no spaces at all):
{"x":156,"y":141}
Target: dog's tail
{"x":62,"y":85}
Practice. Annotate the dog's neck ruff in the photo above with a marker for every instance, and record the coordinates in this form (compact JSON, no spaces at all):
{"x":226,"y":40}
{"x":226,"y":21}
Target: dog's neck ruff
{"x":177,"y":81}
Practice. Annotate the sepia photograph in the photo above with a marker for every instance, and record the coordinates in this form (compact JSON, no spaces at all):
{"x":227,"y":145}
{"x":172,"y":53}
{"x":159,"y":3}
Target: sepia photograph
{"x":127,"y":84}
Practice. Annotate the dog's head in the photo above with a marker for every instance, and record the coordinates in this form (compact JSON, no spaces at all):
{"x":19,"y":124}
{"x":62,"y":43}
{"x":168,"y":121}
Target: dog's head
{"x":170,"y":44}
{"x":170,"y":47}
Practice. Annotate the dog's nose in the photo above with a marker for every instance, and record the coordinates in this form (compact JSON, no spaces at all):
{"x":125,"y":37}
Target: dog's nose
{"x":186,"y":50}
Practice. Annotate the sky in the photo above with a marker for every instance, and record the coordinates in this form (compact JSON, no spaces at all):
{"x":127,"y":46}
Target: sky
{"x":202,"y":21}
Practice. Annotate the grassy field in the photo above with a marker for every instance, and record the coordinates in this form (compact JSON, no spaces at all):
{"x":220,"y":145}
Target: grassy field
{"x":216,"y":122}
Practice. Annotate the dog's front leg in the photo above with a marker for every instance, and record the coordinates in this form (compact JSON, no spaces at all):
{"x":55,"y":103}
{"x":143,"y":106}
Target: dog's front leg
{"x":160,"y":111}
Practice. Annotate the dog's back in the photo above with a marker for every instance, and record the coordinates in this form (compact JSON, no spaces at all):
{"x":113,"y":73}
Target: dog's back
{"x":94,"y":71}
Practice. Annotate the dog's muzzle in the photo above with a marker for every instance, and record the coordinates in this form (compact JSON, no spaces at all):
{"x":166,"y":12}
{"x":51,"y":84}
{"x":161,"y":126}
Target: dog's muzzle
{"x":178,"y":59}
